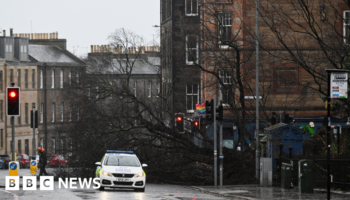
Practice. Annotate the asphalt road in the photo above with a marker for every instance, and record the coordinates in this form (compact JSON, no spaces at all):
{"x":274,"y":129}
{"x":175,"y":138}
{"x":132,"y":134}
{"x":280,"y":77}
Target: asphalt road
{"x":153,"y":191}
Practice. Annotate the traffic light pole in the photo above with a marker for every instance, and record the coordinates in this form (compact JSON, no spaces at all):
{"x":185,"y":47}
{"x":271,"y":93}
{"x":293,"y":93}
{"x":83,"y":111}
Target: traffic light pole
{"x":215,"y":144}
{"x":221,"y":157}
{"x":328,"y":136}
{"x":13,"y":139}
{"x":33,"y":131}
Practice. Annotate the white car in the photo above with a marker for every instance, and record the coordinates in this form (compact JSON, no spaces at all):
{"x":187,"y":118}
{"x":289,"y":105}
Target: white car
{"x":121,"y":169}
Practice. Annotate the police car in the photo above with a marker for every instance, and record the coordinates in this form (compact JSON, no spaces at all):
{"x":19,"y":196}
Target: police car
{"x":121,"y":169}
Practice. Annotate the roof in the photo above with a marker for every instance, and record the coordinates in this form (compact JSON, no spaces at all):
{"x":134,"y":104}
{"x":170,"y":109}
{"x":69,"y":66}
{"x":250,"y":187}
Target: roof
{"x":47,"y":53}
{"x":154,"y":60}
{"x":120,"y":66}
{"x":280,"y":126}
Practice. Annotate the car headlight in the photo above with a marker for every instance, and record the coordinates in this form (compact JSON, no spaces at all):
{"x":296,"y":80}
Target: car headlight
{"x":139,"y":175}
{"x":104,"y":173}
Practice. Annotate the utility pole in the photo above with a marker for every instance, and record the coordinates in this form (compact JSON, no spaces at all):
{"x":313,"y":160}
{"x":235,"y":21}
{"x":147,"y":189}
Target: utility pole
{"x":328,"y":136}
{"x":13,"y":139}
{"x":329,"y":71}
{"x":221,"y":156}
{"x":215,"y":144}
{"x":257,"y":152}
{"x":33,"y":117}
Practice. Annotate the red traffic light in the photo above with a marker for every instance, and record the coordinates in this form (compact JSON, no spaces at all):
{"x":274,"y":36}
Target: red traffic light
{"x":13,"y":94}
{"x":196,"y":123}
{"x":179,"y":118}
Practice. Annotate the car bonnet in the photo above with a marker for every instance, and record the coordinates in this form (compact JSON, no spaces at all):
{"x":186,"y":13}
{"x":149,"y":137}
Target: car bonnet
{"x":122,"y":169}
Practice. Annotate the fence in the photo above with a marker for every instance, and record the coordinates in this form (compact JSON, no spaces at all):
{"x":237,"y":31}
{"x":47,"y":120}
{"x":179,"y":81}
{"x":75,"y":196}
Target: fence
{"x":340,"y":170}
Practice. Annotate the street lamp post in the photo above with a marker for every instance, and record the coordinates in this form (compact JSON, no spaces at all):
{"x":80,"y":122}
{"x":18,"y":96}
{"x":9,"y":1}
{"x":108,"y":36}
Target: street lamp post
{"x":257,"y":151}
{"x":329,"y":71}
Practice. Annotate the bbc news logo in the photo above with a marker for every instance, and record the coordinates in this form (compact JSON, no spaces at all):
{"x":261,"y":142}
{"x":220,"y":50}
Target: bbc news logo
{"x":47,"y":183}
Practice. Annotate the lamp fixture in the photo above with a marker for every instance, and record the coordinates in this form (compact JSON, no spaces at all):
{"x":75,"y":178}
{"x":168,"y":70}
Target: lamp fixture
{"x":312,"y":125}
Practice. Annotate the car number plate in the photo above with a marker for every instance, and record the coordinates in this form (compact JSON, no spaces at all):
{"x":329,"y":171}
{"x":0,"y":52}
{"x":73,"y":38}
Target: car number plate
{"x":123,"y":179}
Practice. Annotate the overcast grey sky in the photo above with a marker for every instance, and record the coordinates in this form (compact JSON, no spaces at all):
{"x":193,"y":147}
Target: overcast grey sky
{"x":81,"y":22}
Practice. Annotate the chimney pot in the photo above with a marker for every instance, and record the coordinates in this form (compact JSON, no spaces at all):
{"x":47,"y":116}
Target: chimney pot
{"x":4,"y":32}
{"x":11,"y":32}
{"x":92,"y":49}
{"x":56,"y":35}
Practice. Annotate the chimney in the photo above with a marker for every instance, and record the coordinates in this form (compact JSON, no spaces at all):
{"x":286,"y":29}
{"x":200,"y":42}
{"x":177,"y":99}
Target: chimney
{"x":4,"y":33}
{"x":92,"y":48}
{"x":56,"y":35}
{"x":11,"y":32}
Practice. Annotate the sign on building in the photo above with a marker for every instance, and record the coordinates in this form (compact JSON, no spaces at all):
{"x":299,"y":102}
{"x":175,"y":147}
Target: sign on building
{"x":339,"y":85}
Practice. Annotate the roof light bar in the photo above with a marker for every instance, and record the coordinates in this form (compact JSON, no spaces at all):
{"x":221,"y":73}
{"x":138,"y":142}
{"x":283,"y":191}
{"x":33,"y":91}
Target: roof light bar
{"x":117,"y":151}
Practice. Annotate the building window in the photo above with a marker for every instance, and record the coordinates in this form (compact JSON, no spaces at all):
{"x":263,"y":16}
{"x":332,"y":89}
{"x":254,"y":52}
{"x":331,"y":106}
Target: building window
{"x":61,"y":78}
{"x":191,"y":8}
{"x":41,"y":79}
{"x":41,"y":142}
{"x":19,"y":77}
{"x":53,"y":145}
{"x":225,"y":76}
{"x":52,"y":78}
{"x":19,"y":147}
{"x":26,"y":78}
{"x":70,"y":77}
{"x":1,"y":81}
{"x":135,"y":88}
{"x":346,"y":27}
{"x":158,"y":88}
{"x":225,"y":27}
{"x":192,"y":94}
{"x":78,"y":112}
{"x":97,"y":95}
{"x":62,"y":110}
{"x":191,"y":50}
{"x":41,"y":113}
{"x":149,"y":88}
{"x":26,"y":146}
{"x":11,"y":76}
{"x":26,"y":113}
{"x":1,"y":138}
{"x":77,"y":76}
{"x":61,"y":146}
{"x":33,"y":78}
{"x":53,"y":112}
{"x":286,"y":79}
{"x":70,"y":112}
{"x":1,"y":110}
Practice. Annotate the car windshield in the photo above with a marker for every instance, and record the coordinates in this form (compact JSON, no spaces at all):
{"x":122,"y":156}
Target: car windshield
{"x":122,"y":161}
{"x":19,"y":157}
{"x":51,"y":157}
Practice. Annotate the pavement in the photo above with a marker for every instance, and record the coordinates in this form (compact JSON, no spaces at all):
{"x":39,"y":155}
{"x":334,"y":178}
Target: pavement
{"x":22,"y":172}
{"x":254,"y":192}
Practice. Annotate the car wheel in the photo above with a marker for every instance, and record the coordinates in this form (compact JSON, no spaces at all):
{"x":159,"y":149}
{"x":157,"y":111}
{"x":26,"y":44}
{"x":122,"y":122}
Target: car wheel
{"x":101,"y":188}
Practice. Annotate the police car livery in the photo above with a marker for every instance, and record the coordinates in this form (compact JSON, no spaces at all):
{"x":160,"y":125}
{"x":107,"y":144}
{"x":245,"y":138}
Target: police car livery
{"x":121,"y":169}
